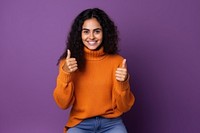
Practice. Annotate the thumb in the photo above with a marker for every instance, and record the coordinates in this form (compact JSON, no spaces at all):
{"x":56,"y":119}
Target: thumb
{"x":124,"y":63}
{"x":68,"y":54}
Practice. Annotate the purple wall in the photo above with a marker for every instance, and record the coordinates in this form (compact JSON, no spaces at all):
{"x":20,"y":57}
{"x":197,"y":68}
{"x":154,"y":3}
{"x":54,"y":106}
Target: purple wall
{"x":160,"y":39}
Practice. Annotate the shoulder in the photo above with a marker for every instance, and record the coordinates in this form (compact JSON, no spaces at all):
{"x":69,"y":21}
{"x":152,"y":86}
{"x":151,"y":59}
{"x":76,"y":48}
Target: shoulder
{"x":116,"y":58}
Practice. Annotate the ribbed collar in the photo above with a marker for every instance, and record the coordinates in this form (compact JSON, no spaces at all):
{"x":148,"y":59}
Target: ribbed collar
{"x":94,"y":55}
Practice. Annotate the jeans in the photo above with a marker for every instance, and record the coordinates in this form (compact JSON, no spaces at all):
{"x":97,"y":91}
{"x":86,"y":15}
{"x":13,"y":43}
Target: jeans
{"x":99,"y":125}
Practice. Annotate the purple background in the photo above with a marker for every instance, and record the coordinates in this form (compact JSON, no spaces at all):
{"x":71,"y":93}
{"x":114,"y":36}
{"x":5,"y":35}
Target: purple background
{"x":159,"y":38}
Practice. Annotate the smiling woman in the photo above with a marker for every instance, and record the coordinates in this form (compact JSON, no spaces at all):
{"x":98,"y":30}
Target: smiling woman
{"x":98,"y":91}
{"x":92,"y":34}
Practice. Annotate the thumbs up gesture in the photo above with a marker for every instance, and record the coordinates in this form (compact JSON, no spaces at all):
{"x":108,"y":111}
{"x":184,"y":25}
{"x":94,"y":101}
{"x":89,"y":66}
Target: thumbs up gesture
{"x":70,"y":63}
{"x":121,"y":72}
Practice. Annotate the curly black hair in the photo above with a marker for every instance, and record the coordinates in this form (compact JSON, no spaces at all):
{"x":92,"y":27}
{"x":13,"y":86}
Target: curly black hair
{"x":74,"y":41}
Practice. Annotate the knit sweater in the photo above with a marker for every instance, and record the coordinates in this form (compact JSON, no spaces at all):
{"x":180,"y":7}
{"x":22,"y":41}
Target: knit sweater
{"x":94,"y":91}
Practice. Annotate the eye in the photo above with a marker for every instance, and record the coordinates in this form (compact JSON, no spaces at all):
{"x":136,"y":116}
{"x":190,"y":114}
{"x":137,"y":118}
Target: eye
{"x":97,"y":31}
{"x":85,"y":31}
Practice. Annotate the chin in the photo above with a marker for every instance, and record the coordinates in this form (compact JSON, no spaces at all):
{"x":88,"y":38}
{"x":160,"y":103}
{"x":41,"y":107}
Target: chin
{"x":92,"y":48}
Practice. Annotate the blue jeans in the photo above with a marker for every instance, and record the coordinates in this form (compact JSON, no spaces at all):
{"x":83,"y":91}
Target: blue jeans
{"x":99,"y":125}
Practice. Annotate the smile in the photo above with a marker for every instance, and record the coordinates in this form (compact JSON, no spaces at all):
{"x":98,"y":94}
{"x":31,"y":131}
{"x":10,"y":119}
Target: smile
{"x":91,"y":42}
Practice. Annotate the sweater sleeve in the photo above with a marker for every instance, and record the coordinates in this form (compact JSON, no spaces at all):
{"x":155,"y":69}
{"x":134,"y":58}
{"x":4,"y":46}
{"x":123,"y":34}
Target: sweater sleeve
{"x":64,"y":90}
{"x":123,"y":97}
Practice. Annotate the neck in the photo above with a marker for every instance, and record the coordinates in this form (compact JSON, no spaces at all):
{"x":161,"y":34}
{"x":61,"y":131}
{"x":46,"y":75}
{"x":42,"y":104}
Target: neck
{"x":94,"y":54}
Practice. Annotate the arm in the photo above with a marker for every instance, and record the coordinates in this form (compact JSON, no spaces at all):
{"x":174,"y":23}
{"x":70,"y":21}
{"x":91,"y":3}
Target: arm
{"x":63,"y":93}
{"x":124,"y":98}
{"x":122,"y":94}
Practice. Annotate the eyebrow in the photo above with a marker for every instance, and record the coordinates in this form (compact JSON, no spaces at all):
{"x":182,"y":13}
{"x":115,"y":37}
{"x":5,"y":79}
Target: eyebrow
{"x":94,"y":29}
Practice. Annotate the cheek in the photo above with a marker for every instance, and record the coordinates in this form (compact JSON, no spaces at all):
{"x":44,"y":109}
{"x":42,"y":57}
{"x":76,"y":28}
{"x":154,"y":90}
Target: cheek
{"x":100,"y":37}
{"x":83,"y":37}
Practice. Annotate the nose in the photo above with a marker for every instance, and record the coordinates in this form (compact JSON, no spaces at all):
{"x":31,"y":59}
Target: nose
{"x":91,"y":36}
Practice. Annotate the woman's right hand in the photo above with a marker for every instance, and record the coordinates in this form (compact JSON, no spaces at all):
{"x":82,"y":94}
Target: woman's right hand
{"x":70,"y":63}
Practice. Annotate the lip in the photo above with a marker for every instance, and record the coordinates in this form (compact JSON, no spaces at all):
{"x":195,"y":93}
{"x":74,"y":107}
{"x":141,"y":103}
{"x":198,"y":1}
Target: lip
{"x":92,"y":42}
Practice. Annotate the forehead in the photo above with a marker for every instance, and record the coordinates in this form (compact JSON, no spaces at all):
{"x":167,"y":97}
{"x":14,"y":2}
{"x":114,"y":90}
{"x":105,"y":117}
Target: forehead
{"x":91,"y":24}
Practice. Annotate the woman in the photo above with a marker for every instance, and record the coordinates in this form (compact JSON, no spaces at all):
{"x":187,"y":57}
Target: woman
{"x":93,"y":78}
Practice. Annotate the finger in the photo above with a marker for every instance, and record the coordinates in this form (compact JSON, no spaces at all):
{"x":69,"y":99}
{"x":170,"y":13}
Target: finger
{"x":72,"y":66}
{"x":71,"y":61}
{"x":68,"y":54}
{"x":121,"y":70}
{"x":124,"y":63}
{"x":73,"y":69}
{"x":120,"y":79}
{"x":120,"y":75}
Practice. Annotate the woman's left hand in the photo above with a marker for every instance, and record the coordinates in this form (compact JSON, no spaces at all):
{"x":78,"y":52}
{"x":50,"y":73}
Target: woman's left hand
{"x":121,"y":72}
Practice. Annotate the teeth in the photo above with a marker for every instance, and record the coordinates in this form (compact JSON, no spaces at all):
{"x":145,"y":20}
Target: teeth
{"x":91,"y":43}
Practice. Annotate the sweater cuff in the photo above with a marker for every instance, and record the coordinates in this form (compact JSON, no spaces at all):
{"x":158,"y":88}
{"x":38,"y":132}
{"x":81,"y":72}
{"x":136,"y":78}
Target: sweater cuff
{"x":123,"y":85}
{"x":64,"y":76}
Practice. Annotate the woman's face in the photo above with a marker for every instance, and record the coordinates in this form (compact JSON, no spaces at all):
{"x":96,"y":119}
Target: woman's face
{"x":92,"y":34}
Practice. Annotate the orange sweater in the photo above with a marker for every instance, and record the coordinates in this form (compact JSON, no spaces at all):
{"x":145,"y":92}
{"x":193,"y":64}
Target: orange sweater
{"x":95,"y":91}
